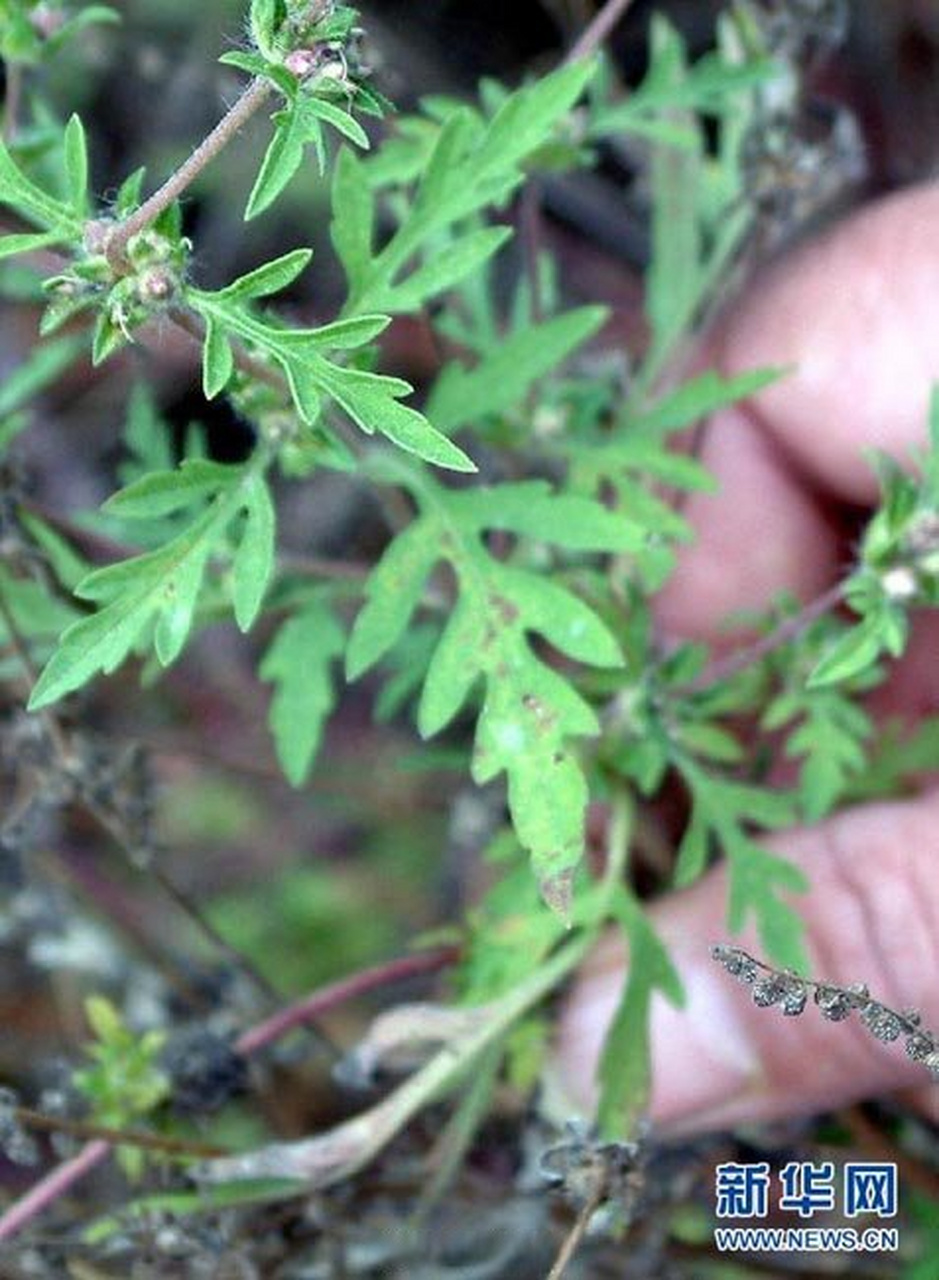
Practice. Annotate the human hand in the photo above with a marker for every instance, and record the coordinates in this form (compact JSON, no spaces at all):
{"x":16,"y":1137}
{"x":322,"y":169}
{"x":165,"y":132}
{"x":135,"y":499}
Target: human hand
{"x":857,"y":314}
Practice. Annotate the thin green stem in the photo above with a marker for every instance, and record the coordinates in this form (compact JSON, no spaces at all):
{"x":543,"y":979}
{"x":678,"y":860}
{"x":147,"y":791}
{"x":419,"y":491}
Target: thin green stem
{"x":341,"y":1152}
{"x":622,"y":822}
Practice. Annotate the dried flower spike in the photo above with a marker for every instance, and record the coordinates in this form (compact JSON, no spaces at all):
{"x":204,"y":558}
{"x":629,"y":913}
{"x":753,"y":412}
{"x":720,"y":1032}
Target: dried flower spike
{"x":789,"y":991}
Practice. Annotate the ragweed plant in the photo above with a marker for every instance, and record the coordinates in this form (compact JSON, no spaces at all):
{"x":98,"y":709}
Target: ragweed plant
{"x":534,"y":495}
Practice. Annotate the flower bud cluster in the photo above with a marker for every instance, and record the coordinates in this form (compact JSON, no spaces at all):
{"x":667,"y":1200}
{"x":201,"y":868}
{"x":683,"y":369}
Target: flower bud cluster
{"x":915,"y":567}
{"x":788,"y":991}
{"x":149,"y":280}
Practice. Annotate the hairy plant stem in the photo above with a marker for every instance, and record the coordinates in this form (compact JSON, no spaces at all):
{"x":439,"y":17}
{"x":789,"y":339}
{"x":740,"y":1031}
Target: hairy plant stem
{"x":749,"y":654}
{"x":250,"y":101}
{"x":597,"y":31}
{"x":237,"y":115}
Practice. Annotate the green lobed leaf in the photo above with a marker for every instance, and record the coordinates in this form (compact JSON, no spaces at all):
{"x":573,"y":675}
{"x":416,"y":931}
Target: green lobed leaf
{"x":527,"y":117}
{"x":723,"y":812}
{"x":473,"y":164}
{"x":147,"y":438}
{"x":160,"y":492}
{"x":530,"y":711}
{"x":253,"y":562}
{"x":39,"y":614}
{"x":159,"y":590}
{"x":448,"y":267}
{"x":533,"y":509}
{"x":503,"y":377}
{"x":44,"y":364}
{"x":265,"y":18}
{"x":296,"y":127}
{"x":282,"y":159}
{"x":60,"y":556}
{"x":370,"y":399}
{"x":34,"y":204}
{"x":828,"y":732}
{"x":299,"y":662}
{"x":855,"y":652}
{"x":701,"y":396}
{"x":218,"y":360}
{"x":393,"y":592}
{"x":625,"y":1071}
{"x":257,"y":65}
{"x":27,"y":242}
{"x":353,"y":219}
{"x":271,"y":277}
{"x":76,"y":165}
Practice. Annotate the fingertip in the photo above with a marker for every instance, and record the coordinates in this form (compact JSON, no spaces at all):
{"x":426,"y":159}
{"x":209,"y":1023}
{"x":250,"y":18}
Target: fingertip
{"x":761,"y":533}
{"x":856,"y":313}
{"x":721,"y":1060}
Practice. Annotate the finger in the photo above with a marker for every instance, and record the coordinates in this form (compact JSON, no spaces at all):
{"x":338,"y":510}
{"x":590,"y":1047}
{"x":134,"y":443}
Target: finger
{"x":857,"y":313}
{"x":760,"y":533}
{"x":911,"y":689}
{"x":871,"y":916}
{"x":857,"y":316}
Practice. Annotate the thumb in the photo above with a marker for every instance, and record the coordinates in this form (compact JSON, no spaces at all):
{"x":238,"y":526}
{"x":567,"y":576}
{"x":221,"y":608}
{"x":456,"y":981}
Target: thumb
{"x":872,"y":916}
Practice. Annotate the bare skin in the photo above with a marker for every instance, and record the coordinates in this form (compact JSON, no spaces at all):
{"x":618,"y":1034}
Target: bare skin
{"x":857,"y":314}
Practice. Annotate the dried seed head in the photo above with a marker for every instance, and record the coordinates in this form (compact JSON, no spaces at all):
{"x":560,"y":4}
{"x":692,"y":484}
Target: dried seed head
{"x":769,"y":990}
{"x":834,"y":1003}
{"x":786,"y":989}
{"x":881,"y":1022}
{"x":920,"y":1045}
{"x":736,"y":962}
{"x":794,"y":1001}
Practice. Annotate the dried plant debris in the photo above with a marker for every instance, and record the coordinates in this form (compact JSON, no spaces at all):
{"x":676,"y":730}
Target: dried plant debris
{"x":801,"y":29}
{"x":789,"y":992}
{"x":585,"y":1169}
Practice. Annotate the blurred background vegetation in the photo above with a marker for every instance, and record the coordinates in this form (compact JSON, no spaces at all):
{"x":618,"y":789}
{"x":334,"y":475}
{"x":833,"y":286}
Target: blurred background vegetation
{"x":376,"y":850}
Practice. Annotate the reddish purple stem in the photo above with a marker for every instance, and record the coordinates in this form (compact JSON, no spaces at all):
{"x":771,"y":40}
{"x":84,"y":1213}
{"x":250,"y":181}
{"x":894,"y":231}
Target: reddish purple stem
{"x":64,"y":1176}
{"x":52,"y":1186}
{"x":336,"y":993}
